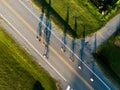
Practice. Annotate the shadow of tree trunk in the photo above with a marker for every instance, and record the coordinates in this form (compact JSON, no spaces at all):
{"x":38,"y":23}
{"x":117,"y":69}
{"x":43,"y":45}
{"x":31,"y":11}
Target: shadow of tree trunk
{"x":47,"y":6}
{"x":38,"y":86}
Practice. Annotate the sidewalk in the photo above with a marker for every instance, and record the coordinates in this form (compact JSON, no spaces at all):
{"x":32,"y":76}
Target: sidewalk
{"x":104,"y":33}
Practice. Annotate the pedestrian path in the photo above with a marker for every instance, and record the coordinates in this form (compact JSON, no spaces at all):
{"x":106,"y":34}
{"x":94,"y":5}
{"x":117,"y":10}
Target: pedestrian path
{"x":104,"y":33}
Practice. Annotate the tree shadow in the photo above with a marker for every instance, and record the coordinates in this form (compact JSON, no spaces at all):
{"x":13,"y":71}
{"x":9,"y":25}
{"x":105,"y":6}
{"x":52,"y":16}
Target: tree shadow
{"x":81,"y":50}
{"x":37,"y":86}
{"x":95,"y":44}
{"x":48,"y":31}
{"x":56,"y":17}
{"x":82,"y":44}
{"x":73,"y":43}
{"x":45,"y":33}
{"x":72,"y":57}
{"x":48,"y":10}
{"x":118,"y":24}
{"x":47,"y":36}
{"x":64,"y":38}
{"x":39,"y":30}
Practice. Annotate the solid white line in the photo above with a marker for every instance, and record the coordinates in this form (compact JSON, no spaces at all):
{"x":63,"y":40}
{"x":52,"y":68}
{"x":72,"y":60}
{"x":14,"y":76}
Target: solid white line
{"x":67,"y":47}
{"x":32,"y":47}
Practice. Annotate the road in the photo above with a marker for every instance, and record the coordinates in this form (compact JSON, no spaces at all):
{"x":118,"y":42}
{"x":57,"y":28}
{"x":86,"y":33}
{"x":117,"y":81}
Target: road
{"x":24,"y":28}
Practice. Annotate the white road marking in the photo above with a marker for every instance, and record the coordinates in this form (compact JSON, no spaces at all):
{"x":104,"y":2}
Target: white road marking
{"x":67,"y":47}
{"x":32,"y":47}
{"x":68,"y":87}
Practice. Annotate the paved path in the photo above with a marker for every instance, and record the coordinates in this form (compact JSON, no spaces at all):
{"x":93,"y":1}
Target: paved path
{"x":104,"y":33}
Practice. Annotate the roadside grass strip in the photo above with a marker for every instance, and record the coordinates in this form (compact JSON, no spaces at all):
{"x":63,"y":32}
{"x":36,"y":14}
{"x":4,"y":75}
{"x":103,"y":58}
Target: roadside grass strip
{"x":18,"y":70}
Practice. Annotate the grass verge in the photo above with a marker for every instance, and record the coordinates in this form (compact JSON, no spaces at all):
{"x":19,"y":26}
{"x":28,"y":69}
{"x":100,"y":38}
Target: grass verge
{"x":18,"y":71}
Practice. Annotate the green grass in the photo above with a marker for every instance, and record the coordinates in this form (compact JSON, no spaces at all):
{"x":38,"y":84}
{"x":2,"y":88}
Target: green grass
{"x":104,"y":65}
{"x":18,"y":70}
{"x":86,"y":12}
{"x":111,"y":53}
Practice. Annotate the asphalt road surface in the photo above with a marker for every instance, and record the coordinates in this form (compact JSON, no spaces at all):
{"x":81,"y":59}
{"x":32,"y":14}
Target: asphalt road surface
{"x":24,"y":26}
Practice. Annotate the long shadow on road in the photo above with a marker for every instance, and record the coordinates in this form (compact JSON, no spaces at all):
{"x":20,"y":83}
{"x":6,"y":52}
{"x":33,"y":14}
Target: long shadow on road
{"x":45,"y":32}
{"x":39,"y":30}
{"x":64,"y":38}
{"x":73,"y":43}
